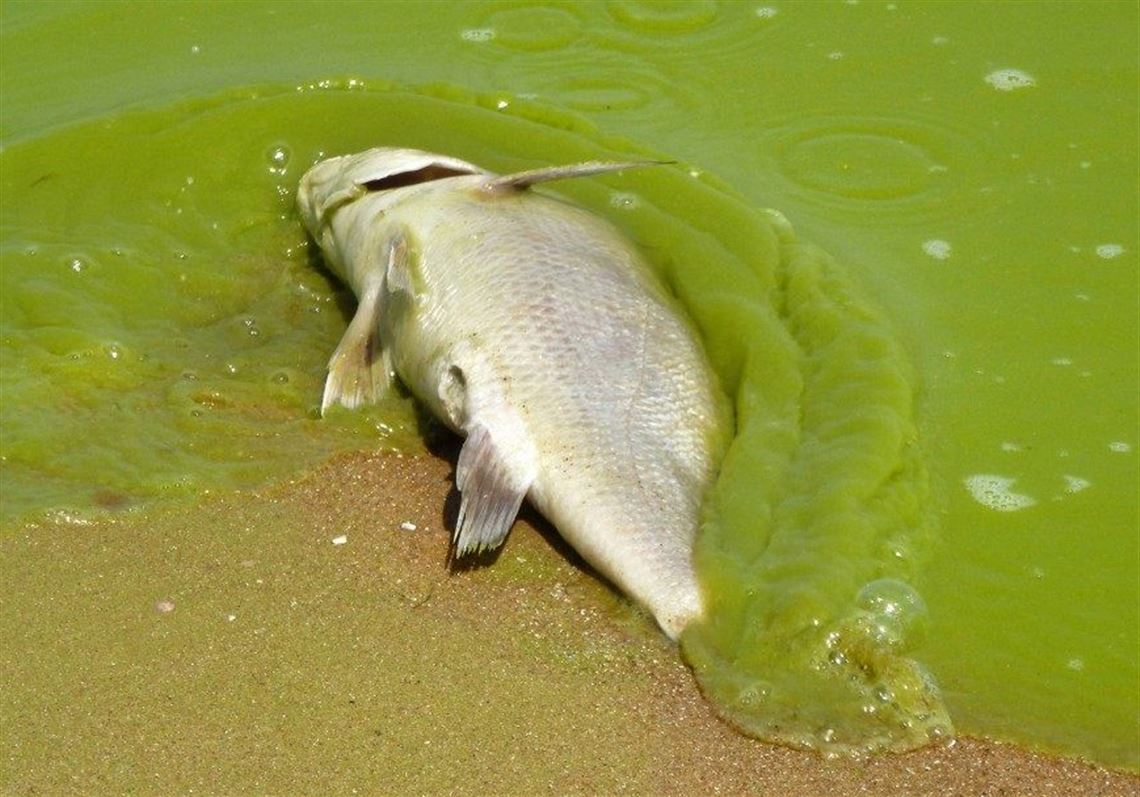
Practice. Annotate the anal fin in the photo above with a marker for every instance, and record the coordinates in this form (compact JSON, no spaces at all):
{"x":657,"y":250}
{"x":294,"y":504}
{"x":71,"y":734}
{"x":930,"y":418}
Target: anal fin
{"x":492,"y":489}
{"x":359,"y":371}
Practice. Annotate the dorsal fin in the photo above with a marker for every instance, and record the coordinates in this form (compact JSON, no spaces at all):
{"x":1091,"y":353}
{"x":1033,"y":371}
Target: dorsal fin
{"x":523,"y":180}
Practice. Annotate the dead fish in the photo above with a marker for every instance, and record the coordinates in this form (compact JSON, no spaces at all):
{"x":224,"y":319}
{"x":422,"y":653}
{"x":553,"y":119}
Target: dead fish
{"x":537,"y":331}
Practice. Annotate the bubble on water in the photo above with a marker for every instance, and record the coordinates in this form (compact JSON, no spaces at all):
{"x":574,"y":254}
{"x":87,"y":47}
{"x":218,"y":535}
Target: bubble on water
{"x":937,"y":248}
{"x":195,"y":49}
{"x":113,"y":351}
{"x":895,"y":611}
{"x":835,"y":55}
{"x":1076,"y":665}
{"x":993,"y":491}
{"x":623,"y":200}
{"x":280,"y":378}
{"x":278,"y":157}
{"x":1062,"y":361}
{"x":164,"y":606}
{"x":1119,"y":447}
{"x":78,"y":264}
{"x":477,"y":34}
{"x":1074,"y":484}
{"x":940,"y":40}
{"x":1008,"y":446}
{"x":753,"y":694}
{"x":1109,"y":251}
{"x":1010,"y":79}
{"x":766,"y":12}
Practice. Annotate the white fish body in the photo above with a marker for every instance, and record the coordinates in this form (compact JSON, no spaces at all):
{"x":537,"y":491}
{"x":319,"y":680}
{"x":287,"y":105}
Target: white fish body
{"x":534,"y":329}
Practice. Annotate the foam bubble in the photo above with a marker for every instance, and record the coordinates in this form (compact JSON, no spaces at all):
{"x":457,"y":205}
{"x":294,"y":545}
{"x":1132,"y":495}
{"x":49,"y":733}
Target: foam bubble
{"x":1010,"y":79}
{"x":1109,"y":251}
{"x":895,"y":611}
{"x":1074,"y":484}
{"x":277,"y":157}
{"x":477,"y":34}
{"x":1119,"y":447}
{"x":937,"y":248}
{"x":993,"y":491}
{"x":766,"y":12}
{"x":623,"y":200}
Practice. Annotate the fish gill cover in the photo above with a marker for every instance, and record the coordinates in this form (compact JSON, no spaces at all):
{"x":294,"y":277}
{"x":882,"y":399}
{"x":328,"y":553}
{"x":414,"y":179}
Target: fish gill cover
{"x":164,"y":332}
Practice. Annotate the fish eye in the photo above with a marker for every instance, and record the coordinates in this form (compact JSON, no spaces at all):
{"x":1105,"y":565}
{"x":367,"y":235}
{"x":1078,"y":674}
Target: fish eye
{"x":402,"y":179}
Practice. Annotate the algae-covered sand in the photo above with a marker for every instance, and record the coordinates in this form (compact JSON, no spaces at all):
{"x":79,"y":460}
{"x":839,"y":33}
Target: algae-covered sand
{"x":306,"y":640}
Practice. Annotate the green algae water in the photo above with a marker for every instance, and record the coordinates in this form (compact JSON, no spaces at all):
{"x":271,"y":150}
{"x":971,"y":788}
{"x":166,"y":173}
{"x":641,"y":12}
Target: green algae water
{"x":164,"y":330}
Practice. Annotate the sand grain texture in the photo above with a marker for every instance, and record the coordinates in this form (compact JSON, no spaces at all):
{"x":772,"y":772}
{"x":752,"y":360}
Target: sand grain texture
{"x":233,"y":648}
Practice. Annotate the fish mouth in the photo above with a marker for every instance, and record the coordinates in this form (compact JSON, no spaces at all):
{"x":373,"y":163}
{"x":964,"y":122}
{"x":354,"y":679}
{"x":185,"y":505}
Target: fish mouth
{"x":317,"y":193}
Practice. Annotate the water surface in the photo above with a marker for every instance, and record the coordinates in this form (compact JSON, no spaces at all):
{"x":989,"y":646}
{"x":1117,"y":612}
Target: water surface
{"x":971,"y":168}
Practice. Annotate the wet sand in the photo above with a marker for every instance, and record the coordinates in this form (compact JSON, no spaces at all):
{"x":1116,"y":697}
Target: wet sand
{"x":305,"y":639}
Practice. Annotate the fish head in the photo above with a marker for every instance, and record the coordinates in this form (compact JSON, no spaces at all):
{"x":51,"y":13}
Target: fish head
{"x":332,"y":189}
{"x":333,"y":183}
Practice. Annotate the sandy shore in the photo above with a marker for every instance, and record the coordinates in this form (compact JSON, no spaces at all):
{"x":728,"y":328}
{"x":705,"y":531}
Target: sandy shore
{"x":307,"y":640}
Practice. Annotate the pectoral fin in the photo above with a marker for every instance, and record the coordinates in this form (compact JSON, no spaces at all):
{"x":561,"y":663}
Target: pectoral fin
{"x":359,"y":371}
{"x":492,"y":489}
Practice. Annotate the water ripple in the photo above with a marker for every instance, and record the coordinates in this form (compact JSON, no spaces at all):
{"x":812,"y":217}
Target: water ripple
{"x":668,"y":18}
{"x":886,"y":169}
